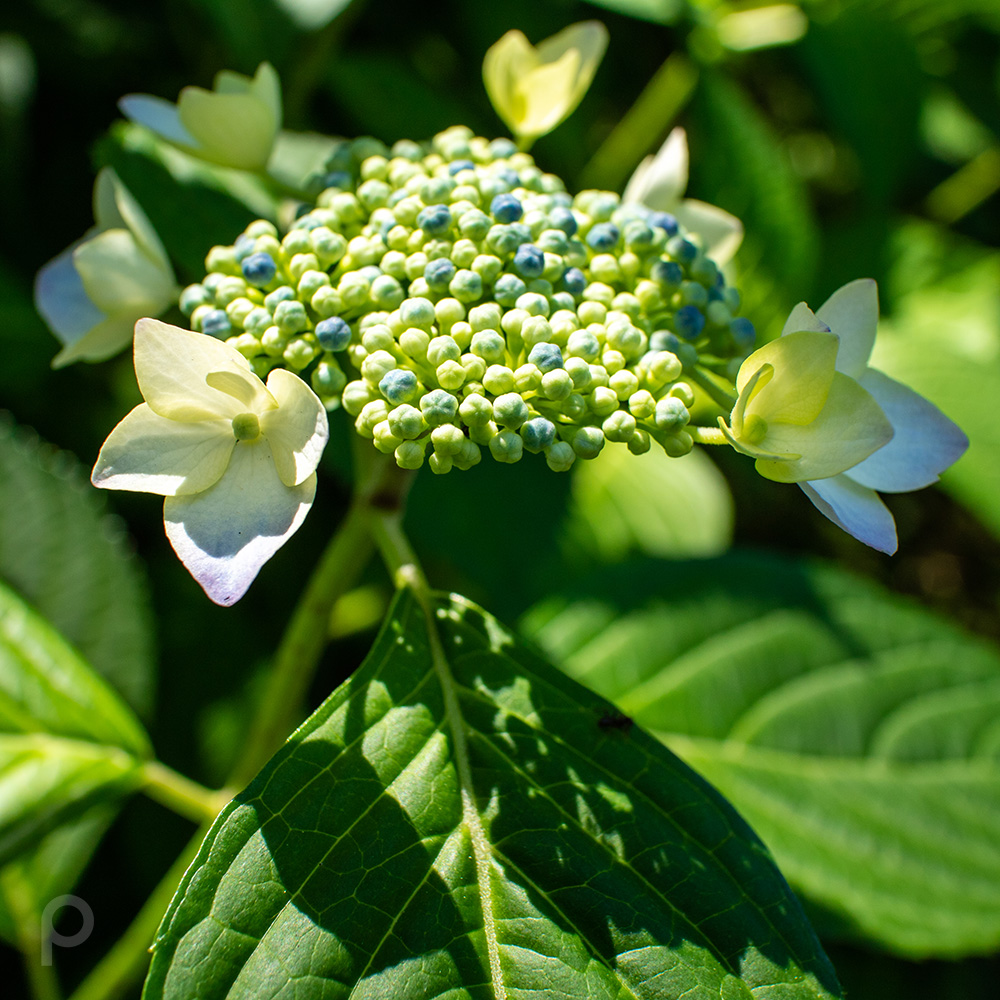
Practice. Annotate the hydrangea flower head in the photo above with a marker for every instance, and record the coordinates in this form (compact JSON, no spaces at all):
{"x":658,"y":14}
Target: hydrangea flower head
{"x":92,"y":294}
{"x":234,"y":458}
{"x":234,"y":125}
{"x":534,"y":88}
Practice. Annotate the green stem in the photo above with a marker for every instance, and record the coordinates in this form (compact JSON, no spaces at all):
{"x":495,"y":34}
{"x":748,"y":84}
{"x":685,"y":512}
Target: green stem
{"x":397,"y":552}
{"x":707,"y":435}
{"x":725,"y":399}
{"x":18,"y":898}
{"x":126,"y":963}
{"x":185,"y":797}
{"x":643,"y":125}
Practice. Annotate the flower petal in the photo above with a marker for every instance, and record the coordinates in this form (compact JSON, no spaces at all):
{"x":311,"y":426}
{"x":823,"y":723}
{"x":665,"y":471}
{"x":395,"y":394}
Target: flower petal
{"x":104,"y":340}
{"x":297,"y":430}
{"x":235,"y":130}
{"x":115,"y":208}
{"x":224,"y":535}
{"x":546,"y":95}
{"x":505,"y":62}
{"x":803,"y":318}
{"x":925,"y":442}
{"x":148,"y":453}
{"x":119,"y":278}
{"x":720,"y":232}
{"x":852,"y":314}
{"x":659,"y":181}
{"x":848,"y":429}
{"x":159,"y":116}
{"x":589,"y":40}
{"x":266,"y":87}
{"x":803,"y":373}
{"x":857,"y":510}
{"x":171,"y":365}
{"x":62,"y":300}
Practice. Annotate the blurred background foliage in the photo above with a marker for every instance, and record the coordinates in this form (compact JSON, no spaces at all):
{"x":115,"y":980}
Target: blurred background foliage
{"x":853,"y":137}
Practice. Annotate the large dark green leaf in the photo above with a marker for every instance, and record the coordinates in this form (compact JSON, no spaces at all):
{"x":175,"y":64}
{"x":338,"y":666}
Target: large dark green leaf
{"x":457,"y":821}
{"x":859,"y":735}
{"x":67,"y":742}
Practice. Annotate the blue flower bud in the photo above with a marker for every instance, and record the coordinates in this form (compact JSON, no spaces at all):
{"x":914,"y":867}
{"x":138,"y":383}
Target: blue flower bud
{"x":333,"y":334}
{"x":244,"y":246}
{"x":216,"y":323}
{"x":603,"y":236}
{"x":743,"y":333}
{"x":689,"y":322}
{"x":694,"y":294}
{"x":506,"y":208}
{"x":529,"y":261}
{"x":682,"y":249}
{"x":438,"y":273}
{"x":502,"y":149}
{"x":537,"y":434}
{"x":574,"y":281}
{"x":398,"y":385}
{"x":638,"y":235}
{"x":664,"y":221}
{"x":192,"y":297}
{"x":508,"y":289}
{"x":546,"y":357}
{"x":456,"y":166}
{"x":668,"y":273}
{"x":435,"y":219}
{"x":279,"y":295}
{"x":564,"y":219}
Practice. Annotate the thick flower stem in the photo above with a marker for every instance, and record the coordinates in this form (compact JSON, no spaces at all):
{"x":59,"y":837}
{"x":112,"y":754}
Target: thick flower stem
{"x":643,"y":125}
{"x":707,"y":435}
{"x":185,"y":797}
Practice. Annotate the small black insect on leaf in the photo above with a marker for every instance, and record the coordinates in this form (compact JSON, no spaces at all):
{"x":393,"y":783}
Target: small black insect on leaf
{"x":615,"y":720}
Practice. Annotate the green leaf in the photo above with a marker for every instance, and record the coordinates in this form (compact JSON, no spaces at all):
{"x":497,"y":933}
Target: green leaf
{"x":65,"y":555}
{"x":858,"y":734}
{"x":67,"y":742}
{"x":311,"y":15}
{"x":297,"y":155}
{"x":455,"y":821}
{"x":659,"y":506}
{"x":657,"y":11}
{"x":943,"y":339}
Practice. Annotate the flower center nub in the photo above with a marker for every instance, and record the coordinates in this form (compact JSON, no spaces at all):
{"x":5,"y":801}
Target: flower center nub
{"x":246,"y":427}
{"x":754,"y":429}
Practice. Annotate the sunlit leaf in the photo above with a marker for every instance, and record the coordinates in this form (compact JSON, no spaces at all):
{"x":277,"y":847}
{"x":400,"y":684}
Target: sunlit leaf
{"x":311,"y":15}
{"x":458,"y":819}
{"x":859,"y":735}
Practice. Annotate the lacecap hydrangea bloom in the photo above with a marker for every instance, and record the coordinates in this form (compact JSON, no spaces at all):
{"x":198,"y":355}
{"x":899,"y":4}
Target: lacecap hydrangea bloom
{"x":233,"y":125}
{"x":92,"y":294}
{"x":234,"y":458}
{"x":812,"y":411}
{"x":456,"y":300}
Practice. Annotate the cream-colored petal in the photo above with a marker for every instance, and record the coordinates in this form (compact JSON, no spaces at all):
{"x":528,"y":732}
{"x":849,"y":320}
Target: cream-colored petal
{"x":105,"y":201}
{"x":659,"y":181}
{"x":104,"y":340}
{"x":246,"y":388}
{"x":134,"y":219}
{"x":925,"y":442}
{"x":589,"y":39}
{"x":850,"y":428}
{"x":803,"y":371}
{"x":224,"y":535}
{"x":546,"y":95}
{"x":721,"y":233}
{"x":119,"y":278}
{"x":852,"y":314}
{"x":266,"y":87}
{"x":855,"y":509}
{"x":505,"y":62}
{"x":158,"y":116}
{"x":171,"y":365}
{"x":803,"y":318}
{"x":147,"y":453}
{"x":235,"y":130}
{"x":297,"y":430}
{"x":753,"y":450}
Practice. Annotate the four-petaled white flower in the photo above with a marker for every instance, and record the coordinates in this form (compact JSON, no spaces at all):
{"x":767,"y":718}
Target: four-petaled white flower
{"x":234,"y":125}
{"x":93,"y":292}
{"x":659,"y":183}
{"x":234,"y":458}
{"x":533,"y":88}
{"x":924,"y":443}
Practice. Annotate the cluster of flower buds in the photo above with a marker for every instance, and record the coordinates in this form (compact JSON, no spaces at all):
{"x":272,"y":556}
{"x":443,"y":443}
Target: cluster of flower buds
{"x":453,"y":297}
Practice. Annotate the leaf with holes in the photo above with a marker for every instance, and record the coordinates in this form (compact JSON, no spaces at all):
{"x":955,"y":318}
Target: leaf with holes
{"x":461,"y":820}
{"x":859,"y":735}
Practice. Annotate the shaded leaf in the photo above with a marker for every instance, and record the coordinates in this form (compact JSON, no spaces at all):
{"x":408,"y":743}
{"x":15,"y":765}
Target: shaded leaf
{"x":657,"y":11}
{"x":455,"y":821}
{"x":858,"y":734}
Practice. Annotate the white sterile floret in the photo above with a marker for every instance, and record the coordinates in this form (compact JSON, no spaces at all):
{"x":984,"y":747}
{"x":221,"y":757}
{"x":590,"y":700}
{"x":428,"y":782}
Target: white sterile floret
{"x":234,"y":458}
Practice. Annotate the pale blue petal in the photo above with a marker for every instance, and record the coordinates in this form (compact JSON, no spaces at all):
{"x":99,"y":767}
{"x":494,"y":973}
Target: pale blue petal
{"x":159,"y":116}
{"x":855,"y":509}
{"x":925,"y":442}
{"x":62,"y":301}
{"x":852,"y":314}
{"x":224,"y":535}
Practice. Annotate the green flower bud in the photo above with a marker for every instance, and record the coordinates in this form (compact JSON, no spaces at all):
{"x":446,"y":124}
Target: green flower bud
{"x":717,"y":314}
{"x":535,"y":330}
{"x":417,"y":312}
{"x":393,"y":263}
{"x":604,"y":267}
{"x":603,"y":401}
{"x":693,"y":294}
{"x":448,"y":312}
{"x":406,"y":421}
{"x":223,"y":260}
{"x":466,"y":286}
{"x":626,"y":339}
{"x":678,"y":445}
{"x":583,"y":344}
{"x":377,"y":365}
{"x":498,"y":379}
{"x":510,"y":410}
{"x":247,"y":344}
{"x":483,"y":434}
{"x":574,"y":407}
{"x":487,"y":267}
{"x":378,"y":338}
{"x":448,"y":440}
{"x":442,"y":349}
{"x":588,"y":442}
{"x":468,"y":456}
{"x":597,"y":291}
{"x":613,"y":361}
{"x":409,"y":455}
{"x":534,"y":304}
{"x":579,"y":372}
{"x":356,"y":395}
{"x":439,"y":407}
{"x":557,"y":384}
{"x":328,"y":381}
{"x":299,"y":353}
{"x":274,"y":341}
{"x":476,"y":411}
{"x":384,"y":439}
{"x":620,"y":426}
{"x":639,"y":443}
{"x":415,"y":343}
{"x":599,"y":376}
{"x":592,"y":312}
{"x":353,"y":290}
{"x":327,"y":302}
{"x":642,"y":404}
{"x":475,"y":367}
{"x":238,"y":310}
{"x":464,"y":253}
{"x":295,"y":241}
{"x":386,"y":292}
{"x":229,"y":289}
{"x":624,"y":384}
{"x":560,"y":456}
{"x":683,"y":392}
{"x":450,"y":375}
{"x":527,"y":378}
{"x":671,"y":414}
{"x":371,"y":415}
{"x":485,"y":317}
{"x":261,"y":227}
{"x":440,"y":464}
{"x":489,"y":345}
{"x":664,"y":367}
{"x":507,"y":447}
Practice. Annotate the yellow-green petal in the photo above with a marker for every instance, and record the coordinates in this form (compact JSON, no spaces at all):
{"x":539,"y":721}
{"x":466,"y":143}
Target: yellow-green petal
{"x":505,"y":62}
{"x":147,"y":453}
{"x":850,"y":427}
{"x":119,"y":278}
{"x":804,"y":366}
{"x":297,"y":430}
{"x":104,"y":340}
{"x":235,"y":130}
